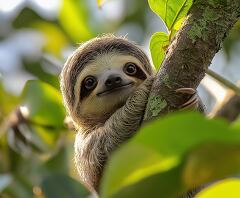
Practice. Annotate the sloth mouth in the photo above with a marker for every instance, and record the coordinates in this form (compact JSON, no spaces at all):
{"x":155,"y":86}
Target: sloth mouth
{"x":115,"y":89}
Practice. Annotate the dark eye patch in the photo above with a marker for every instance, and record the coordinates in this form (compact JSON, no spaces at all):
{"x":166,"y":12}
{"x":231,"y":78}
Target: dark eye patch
{"x":137,"y":73}
{"x":87,"y":86}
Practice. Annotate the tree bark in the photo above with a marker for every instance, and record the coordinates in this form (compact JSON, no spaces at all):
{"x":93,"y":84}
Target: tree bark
{"x":190,"y":53}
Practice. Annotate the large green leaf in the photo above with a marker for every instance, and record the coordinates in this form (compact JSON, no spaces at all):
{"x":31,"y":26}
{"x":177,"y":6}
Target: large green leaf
{"x":158,"y":45}
{"x":44,"y":104}
{"x":172,"y":12}
{"x":160,"y":149}
{"x":57,"y":185}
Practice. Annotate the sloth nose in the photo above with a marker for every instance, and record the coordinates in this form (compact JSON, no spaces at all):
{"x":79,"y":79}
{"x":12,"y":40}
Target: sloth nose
{"x":113,"y":81}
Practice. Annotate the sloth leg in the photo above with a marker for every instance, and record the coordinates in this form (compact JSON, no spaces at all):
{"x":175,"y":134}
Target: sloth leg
{"x":194,"y":101}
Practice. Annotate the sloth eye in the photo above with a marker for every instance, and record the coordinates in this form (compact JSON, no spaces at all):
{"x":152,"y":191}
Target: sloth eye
{"x":130,"y":69}
{"x":90,"y":82}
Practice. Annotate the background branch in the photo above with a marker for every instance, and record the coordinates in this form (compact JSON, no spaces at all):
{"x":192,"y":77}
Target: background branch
{"x":229,"y":109}
{"x":224,"y":81}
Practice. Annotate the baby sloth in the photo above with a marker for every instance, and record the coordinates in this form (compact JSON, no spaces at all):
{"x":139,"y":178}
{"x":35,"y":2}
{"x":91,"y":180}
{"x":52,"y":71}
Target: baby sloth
{"x":105,"y":85}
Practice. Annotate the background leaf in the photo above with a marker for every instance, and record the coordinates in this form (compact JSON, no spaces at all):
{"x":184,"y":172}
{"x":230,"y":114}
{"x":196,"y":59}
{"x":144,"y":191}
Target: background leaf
{"x":66,"y":187}
{"x":73,"y":19}
{"x":44,"y":104}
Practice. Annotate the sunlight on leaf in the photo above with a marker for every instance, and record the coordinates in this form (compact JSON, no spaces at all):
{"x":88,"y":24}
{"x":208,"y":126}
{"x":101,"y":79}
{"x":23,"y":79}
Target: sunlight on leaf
{"x":229,"y":188}
{"x":55,"y":38}
{"x":158,"y":149}
{"x":158,"y":45}
{"x":73,"y":19}
{"x":170,"y":11}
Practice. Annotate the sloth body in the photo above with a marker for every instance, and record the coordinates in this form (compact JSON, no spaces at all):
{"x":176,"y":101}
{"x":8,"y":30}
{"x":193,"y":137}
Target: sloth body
{"x":105,"y":86}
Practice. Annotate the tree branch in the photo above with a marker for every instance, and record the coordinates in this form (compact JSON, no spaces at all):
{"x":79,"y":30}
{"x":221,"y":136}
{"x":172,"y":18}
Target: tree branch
{"x":191,"y":52}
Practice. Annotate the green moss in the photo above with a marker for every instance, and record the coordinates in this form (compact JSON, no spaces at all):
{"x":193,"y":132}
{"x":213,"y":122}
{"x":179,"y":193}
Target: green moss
{"x":195,"y":32}
{"x":156,"y":104}
{"x":166,"y":80}
{"x":210,"y":15}
{"x":200,"y":27}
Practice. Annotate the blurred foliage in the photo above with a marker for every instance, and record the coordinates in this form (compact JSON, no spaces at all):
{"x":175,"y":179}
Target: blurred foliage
{"x":222,"y":189}
{"x":171,"y":155}
{"x":167,"y":157}
{"x":73,"y":17}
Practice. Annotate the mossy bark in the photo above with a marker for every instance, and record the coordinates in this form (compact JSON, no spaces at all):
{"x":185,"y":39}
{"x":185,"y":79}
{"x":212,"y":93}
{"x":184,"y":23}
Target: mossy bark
{"x":191,"y":52}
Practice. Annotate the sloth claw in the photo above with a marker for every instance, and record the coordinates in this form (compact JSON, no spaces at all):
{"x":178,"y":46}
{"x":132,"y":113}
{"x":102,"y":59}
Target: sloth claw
{"x":193,"y":102}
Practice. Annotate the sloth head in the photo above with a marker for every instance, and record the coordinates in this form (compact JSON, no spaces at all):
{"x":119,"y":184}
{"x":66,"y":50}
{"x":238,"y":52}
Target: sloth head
{"x":99,"y":76}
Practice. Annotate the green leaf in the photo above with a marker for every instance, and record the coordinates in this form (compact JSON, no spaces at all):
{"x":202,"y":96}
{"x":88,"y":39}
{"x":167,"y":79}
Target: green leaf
{"x":73,"y":19}
{"x":205,"y":163}
{"x":158,"y":45}
{"x":45,"y":137}
{"x":171,"y":11}
{"x":227,"y":188}
{"x":63,"y":186}
{"x":160,"y":149}
{"x":36,"y":68}
{"x":55,"y":39}
{"x":44,"y":104}
{"x":59,"y":163}
{"x":26,"y":17}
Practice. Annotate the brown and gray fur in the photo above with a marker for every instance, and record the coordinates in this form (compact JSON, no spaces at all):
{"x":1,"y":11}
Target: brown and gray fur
{"x":101,"y":133}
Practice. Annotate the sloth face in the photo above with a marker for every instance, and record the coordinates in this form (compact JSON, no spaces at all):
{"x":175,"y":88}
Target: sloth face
{"x":106,"y":82}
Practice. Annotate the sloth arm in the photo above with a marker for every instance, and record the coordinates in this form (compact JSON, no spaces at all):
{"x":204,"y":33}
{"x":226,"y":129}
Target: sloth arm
{"x":124,"y":122}
{"x":93,"y":149}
